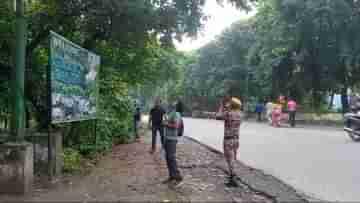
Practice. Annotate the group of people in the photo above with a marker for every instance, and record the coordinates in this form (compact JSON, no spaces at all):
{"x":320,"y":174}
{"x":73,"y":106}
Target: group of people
{"x":274,"y":111}
{"x":169,"y":125}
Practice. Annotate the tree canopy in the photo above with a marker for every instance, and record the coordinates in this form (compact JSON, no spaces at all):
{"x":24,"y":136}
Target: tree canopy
{"x":304,"y":49}
{"x":134,"y":39}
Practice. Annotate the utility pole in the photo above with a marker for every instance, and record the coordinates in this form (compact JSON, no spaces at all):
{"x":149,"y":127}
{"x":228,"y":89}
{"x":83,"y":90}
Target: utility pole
{"x":19,"y":72}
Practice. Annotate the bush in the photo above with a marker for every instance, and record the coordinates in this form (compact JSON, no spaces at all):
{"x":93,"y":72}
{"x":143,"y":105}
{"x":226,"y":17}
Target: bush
{"x":72,"y":160}
{"x":322,"y":109}
{"x":114,"y":114}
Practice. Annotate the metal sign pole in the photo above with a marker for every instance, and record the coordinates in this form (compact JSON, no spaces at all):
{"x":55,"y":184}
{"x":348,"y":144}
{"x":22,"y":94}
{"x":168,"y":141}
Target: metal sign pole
{"x":19,"y":73}
{"x":95,"y":135}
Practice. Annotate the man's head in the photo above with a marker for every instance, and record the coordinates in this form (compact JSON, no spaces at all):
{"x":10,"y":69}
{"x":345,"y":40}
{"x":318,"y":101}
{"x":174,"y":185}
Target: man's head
{"x":172,"y":107}
{"x":157,"y":101}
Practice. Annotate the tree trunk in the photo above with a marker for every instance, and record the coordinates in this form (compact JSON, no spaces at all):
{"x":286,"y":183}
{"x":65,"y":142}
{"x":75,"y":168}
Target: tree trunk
{"x":344,"y":100}
{"x":6,"y":123}
{"x":331,"y":103}
{"x":27,"y":118}
{"x":274,"y":84}
{"x":316,"y":99}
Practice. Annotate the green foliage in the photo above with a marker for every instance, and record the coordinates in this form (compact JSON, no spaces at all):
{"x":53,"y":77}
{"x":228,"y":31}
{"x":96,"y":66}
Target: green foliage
{"x":134,"y":55}
{"x":307,"y":44}
{"x":116,"y":109}
{"x":221,"y":66}
{"x":72,"y":160}
{"x":302,"y":49}
{"x":170,"y":78}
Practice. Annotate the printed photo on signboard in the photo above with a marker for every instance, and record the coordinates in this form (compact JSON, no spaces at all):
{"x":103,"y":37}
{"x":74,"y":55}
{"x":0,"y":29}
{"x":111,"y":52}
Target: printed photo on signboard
{"x":73,"y":81}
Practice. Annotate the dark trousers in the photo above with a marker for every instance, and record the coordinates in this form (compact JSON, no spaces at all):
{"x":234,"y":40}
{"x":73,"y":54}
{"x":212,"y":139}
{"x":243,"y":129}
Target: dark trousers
{"x":155,"y":129}
{"x":136,"y":126}
{"x":292,"y":115}
{"x":170,"y":151}
{"x":258,"y":116}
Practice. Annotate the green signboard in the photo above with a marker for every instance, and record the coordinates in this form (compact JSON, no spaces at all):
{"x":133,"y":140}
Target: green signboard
{"x":73,"y":81}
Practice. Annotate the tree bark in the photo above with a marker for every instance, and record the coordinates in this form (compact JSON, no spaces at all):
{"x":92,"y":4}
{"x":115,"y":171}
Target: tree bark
{"x":344,"y":100}
{"x":331,"y":100}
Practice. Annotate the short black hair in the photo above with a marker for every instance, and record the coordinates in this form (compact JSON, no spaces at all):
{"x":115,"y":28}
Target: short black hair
{"x":179,"y":107}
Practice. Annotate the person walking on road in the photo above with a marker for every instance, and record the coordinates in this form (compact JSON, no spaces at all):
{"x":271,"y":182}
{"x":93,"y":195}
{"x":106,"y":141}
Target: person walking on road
{"x":259,"y":108}
{"x":292,"y":111}
{"x":156,"y":123}
{"x":276,"y":115}
{"x":269,"y":109}
{"x":137,"y":119}
{"x":172,"y":125}
{"x":230,"y":112}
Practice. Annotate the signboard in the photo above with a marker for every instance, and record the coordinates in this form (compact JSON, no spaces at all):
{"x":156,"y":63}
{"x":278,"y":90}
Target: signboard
{"x":73,"y":81}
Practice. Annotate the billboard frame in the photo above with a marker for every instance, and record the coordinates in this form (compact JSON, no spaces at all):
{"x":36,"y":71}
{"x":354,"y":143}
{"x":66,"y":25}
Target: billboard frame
{"x":50,"y":86}
{"x":50,"y":122}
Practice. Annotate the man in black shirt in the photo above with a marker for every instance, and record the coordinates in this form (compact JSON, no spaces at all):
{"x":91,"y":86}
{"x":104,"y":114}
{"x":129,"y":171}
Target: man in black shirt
{"x":156,"y":122}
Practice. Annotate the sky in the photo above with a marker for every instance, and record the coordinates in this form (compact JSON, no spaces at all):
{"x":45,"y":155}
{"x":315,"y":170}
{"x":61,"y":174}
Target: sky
{"x":220,"y":18}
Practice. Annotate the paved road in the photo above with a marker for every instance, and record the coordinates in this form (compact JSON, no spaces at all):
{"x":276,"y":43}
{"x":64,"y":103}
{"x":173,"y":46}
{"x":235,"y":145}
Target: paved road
{"x":321,"y":162}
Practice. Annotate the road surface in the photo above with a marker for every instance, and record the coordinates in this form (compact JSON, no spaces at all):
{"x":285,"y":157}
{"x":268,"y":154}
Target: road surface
{"x":319,"y":161}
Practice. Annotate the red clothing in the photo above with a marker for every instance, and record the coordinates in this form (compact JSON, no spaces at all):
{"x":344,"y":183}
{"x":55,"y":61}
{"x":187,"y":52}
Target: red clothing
{"x":232,"y":122}
{"x":292,"y":105}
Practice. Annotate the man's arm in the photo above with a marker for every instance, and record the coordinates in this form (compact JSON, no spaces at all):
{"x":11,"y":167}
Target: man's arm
{"x":163,"y":114}
{"x":219,"y":113}
{"x":150,"y":119}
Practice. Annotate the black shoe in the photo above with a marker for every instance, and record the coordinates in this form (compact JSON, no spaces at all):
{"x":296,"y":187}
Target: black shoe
{"x":167,"y":181}
{"x":232,"y":183}
{"x":178,"y":178}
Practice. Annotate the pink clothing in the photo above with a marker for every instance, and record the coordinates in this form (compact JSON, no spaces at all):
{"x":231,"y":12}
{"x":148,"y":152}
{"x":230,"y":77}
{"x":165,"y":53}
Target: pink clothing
{"x":292,"y":105}
{"x":276,"y":117}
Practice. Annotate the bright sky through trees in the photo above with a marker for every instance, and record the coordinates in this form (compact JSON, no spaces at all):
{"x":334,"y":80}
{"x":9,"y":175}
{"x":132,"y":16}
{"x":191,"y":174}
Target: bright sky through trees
{"x":220,"y":18}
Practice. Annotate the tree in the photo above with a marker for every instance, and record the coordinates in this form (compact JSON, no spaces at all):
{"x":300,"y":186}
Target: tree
{"x":303,"y":49}
{"x":221,"y":66}
{"x":134,"y":39}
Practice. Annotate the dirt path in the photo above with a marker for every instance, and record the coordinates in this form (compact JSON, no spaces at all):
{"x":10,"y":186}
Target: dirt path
{"x":131,"y":174}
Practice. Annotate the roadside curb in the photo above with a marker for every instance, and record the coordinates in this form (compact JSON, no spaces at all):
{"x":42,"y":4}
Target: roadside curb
{"x":268,"y":178}
{"x":204,"y":145}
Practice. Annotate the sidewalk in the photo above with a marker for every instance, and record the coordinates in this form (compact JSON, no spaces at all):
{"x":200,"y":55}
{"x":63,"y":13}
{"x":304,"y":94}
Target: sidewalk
{"x":131,"y":174}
